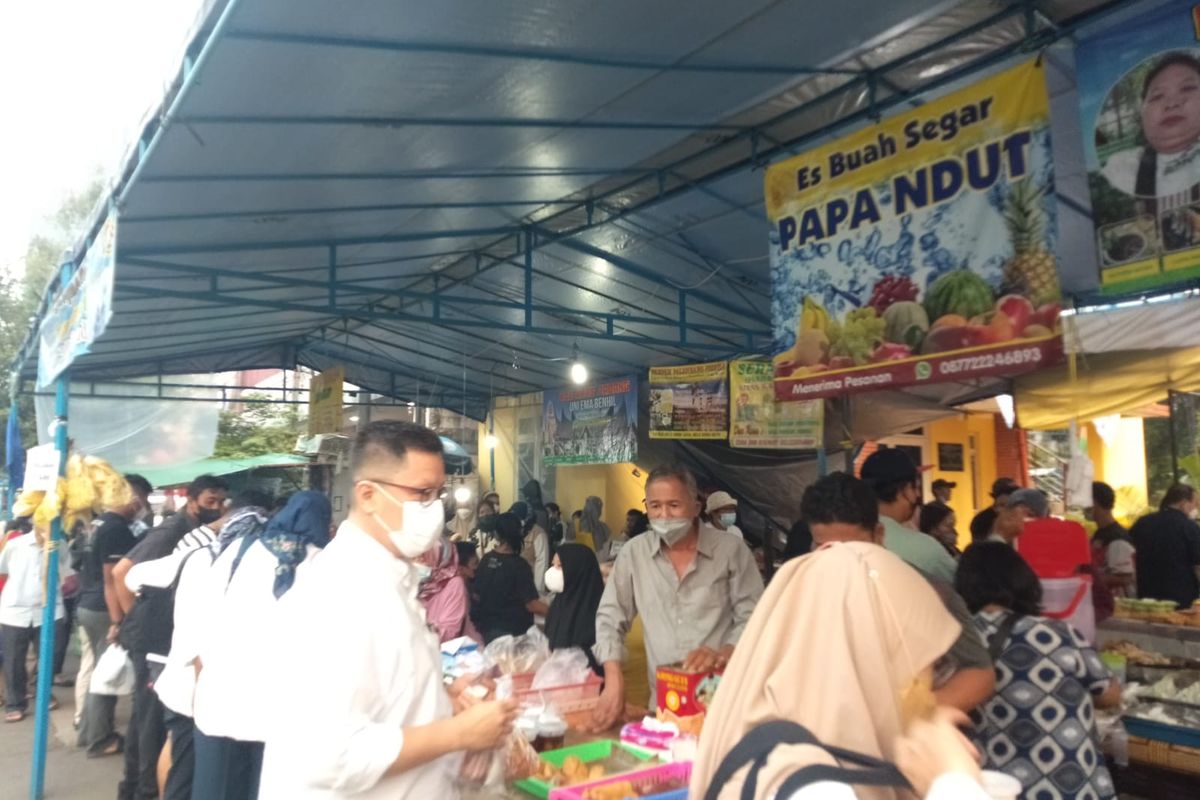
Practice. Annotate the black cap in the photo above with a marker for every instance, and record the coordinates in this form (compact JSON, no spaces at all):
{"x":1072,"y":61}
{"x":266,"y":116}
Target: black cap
{"x":1004,"y":486}
{"x":941,"y":483}
{"x":889,"y":465}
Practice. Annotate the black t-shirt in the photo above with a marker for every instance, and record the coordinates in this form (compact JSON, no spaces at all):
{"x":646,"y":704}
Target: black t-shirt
{"x":149,"y":624}
{"x":108,"y":541}
{"x":502,"y":588}
{"x":981,"y":526}
{"x":160,"y":541}
{"x":1168,"y":551}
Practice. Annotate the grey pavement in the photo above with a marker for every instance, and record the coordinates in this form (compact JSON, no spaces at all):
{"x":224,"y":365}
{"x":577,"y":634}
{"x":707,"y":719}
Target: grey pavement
{"x":70,"y":774}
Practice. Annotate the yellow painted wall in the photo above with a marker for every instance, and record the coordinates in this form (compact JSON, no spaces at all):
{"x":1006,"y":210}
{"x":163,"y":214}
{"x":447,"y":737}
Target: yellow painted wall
{"x":505,"y":430}
{"x":615,"y":484}
{"x":1121,"y":463}
{"x":971,"y":493}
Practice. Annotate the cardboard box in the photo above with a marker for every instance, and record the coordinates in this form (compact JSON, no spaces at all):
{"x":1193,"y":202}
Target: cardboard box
{"x":685,"y":694}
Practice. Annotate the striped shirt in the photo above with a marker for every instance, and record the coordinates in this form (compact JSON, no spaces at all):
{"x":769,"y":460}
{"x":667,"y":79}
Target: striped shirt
{"x":196,"y":538}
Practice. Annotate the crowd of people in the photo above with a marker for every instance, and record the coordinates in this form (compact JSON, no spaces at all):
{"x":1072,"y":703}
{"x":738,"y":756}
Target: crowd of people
{"x":277,"y":657}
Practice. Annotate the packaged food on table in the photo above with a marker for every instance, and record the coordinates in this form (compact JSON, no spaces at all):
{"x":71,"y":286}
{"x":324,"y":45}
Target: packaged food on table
{"x":683,"y":697}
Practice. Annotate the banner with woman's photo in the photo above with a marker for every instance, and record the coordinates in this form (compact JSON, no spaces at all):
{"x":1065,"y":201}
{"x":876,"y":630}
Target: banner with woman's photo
{"x":1139,"y":94}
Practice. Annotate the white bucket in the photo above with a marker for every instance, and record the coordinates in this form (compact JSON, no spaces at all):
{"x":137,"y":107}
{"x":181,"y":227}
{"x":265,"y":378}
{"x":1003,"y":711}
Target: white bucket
{"x":1070,"y":600}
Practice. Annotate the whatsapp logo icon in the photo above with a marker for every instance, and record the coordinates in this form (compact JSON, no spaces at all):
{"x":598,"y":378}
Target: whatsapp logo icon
{"x":924,"y":371}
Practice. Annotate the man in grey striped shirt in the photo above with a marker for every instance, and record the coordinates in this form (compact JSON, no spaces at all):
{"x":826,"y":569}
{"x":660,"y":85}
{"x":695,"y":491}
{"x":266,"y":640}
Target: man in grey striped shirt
{"x":694,"y":587}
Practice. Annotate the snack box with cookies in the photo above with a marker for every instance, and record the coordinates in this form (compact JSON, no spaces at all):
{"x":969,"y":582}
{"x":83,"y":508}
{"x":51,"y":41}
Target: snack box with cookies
{"x":683,"y":697}
{"x":582,"y":763}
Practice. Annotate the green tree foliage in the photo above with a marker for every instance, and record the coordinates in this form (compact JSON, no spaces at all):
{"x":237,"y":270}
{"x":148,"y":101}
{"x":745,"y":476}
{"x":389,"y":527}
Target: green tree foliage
{"x":258,"y":429}
{"x":21,"y":293}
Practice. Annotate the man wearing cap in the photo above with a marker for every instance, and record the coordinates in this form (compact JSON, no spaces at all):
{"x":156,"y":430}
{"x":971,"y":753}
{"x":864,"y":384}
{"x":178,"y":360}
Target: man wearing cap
{"x":722,"y":513}
{"x":941,"y":491}
{"x":1021,"y":506}
{"x":897,"y":485}
{"x":984,"y":521}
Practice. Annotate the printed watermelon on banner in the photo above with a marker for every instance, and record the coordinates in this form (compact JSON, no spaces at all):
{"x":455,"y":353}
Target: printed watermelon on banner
{"x":959,"y":292}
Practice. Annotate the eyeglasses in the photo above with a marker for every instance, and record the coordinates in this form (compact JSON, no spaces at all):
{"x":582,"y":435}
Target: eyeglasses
{"x":420,"y":495}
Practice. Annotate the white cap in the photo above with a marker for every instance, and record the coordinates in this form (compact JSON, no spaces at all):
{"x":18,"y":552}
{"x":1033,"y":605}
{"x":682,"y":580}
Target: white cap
{"x":719,"y":500}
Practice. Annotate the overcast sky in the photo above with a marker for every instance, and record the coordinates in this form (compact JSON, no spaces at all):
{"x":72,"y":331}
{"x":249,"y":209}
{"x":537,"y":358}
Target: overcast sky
{"x":77,"y":77}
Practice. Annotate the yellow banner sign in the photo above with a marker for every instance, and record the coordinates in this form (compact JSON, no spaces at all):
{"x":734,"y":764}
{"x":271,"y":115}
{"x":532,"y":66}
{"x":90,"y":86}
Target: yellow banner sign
{"x":690,"y":401}
{"x":325,"y":401}
{"x":757,"y":420}
{"x":920,"y":249}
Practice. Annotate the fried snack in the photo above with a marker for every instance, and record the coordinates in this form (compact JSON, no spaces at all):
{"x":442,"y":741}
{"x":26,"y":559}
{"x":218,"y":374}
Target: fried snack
{"x":573,"y":771}
{"x":613,"y":791}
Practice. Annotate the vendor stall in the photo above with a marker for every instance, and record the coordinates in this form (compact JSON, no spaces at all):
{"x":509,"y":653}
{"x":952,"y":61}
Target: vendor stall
{"x":1157,"y":652}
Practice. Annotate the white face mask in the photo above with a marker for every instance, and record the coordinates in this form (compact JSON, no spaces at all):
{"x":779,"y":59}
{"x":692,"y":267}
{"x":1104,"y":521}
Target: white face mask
{"x":423,"y":523}
{"x":671,"y":529}
{"x":554,"y":580}
{"x":1194,"y":512}
{"x":727,"y":519}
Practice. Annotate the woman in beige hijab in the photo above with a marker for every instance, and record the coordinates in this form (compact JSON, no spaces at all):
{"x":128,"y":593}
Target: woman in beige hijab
{"x":842,"y":643}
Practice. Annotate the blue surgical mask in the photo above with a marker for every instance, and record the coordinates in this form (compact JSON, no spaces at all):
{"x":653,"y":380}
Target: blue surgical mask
{"x":728,"y":519}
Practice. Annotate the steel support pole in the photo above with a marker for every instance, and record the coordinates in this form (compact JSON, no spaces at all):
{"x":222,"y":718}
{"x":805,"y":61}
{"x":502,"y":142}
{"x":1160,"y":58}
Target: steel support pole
{"x":41,"y":728}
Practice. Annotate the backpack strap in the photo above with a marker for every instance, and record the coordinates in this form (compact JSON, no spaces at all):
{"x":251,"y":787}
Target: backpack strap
{"x":757,"y":745}
{"x":1000,"y":638}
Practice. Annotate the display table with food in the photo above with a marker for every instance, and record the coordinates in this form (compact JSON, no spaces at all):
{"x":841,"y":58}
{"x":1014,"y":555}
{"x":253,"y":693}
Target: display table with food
{"x":552,"y":754}
{"x":1161,"y":717}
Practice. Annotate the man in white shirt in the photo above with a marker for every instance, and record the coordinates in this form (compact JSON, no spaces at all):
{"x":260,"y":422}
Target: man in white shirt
{"x":22,"y":604}
{"x":360,"y":709}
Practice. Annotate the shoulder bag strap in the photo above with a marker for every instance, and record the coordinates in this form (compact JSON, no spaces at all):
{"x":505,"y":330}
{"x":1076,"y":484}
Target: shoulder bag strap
{"x":884,"y":775}
{"x":754,"y":748}
{"x":1000,"y":638}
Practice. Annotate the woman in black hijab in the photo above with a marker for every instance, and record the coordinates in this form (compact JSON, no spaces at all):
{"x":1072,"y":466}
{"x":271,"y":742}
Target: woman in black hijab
{"x":576,"y":579}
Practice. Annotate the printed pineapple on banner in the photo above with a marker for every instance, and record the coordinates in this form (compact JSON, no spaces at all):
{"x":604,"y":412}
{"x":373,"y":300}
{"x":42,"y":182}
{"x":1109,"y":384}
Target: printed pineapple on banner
{"x":920,"y":249}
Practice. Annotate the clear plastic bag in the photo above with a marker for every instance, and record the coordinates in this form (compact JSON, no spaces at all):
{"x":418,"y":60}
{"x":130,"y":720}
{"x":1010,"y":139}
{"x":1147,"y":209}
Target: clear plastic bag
{"x":514,"y":655}
{"x":564,"y":668}
{"x":513,"y":760}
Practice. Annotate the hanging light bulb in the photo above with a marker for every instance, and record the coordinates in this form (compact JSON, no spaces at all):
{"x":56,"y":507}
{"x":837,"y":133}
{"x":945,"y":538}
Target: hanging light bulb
{"x":490,"y":441}
{"x":579,"y":371}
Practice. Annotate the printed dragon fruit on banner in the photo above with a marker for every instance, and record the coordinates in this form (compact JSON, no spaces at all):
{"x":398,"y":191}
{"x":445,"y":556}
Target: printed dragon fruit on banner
{"x":920,"y":249}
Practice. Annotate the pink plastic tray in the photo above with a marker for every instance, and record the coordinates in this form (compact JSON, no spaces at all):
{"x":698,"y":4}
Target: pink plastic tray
{"x":649,"y":782}
{"x":567,"y":699}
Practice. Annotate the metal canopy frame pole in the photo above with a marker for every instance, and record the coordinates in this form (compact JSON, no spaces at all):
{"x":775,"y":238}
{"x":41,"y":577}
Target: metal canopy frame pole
{"x":41,"y":728}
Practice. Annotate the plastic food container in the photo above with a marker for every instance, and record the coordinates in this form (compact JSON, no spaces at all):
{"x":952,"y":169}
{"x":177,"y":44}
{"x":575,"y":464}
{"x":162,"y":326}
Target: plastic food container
{"x":616,"y":757}
{"x":666,"y":782}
